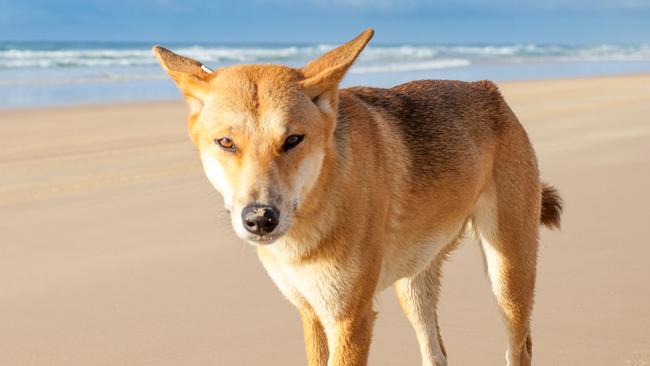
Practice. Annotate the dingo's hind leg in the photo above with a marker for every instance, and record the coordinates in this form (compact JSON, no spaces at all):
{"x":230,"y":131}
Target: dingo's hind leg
{"x":507,"y":218}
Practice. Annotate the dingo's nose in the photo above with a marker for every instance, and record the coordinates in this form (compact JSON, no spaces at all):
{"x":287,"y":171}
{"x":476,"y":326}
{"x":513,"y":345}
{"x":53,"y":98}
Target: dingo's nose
{"x":260,"y":220}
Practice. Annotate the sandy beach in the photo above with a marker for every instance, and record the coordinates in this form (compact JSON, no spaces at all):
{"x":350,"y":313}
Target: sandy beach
{"x":115,"y":250}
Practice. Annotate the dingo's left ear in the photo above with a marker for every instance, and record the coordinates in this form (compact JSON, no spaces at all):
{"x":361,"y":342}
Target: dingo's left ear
{"x":323,"y":75}
{"x":191,"y":76}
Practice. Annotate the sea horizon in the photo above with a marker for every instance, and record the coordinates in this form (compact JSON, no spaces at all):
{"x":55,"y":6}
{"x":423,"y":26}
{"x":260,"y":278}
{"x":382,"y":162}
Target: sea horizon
{"x":51,"y":73}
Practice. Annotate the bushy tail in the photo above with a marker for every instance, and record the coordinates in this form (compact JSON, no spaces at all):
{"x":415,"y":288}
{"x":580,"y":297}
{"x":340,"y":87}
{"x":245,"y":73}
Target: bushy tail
{"x":551,"y":207}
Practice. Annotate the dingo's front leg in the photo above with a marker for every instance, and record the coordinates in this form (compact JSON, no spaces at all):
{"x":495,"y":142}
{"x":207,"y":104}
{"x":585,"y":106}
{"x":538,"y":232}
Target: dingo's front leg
{"x":315,"y":338}
{"x":349,"y":339}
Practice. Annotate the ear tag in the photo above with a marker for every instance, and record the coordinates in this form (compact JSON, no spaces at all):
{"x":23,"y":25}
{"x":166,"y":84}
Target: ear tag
{"x":206,"y":69}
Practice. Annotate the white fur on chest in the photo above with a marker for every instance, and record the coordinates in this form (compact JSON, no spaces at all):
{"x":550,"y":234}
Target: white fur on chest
{"x":319,"y":285}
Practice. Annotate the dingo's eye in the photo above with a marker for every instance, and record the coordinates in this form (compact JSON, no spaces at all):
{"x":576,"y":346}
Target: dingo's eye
{"x":225,"y":143}
{"x":292,"y":141}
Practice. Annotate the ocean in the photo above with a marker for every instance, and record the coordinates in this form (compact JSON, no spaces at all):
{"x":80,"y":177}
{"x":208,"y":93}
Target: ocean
{"x":65,"y":73}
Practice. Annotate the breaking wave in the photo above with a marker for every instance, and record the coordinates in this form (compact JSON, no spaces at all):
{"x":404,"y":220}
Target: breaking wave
{"x":374,"y":59}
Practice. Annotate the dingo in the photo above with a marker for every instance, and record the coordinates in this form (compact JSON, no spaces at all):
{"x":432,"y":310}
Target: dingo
{"x":346,"y":192}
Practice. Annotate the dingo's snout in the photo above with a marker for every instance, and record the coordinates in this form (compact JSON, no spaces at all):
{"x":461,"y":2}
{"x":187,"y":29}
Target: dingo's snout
{"x":260,"y":219}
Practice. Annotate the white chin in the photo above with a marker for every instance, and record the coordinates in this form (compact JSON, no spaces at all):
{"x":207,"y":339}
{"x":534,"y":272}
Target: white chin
{"x":256,"y":239}
{"x":268,"y":241}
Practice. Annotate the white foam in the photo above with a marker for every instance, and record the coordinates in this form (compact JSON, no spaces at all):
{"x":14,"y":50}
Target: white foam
{"x":373,"y":59}
{"x":411,"y":66}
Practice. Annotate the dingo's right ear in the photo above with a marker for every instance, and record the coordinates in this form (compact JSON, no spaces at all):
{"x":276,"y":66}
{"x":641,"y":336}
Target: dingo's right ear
{"x":323,"y":75}
{"x":191,"y":76}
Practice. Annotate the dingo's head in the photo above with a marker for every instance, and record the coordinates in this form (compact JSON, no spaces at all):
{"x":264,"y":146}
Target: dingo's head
{"x":262,"y":131}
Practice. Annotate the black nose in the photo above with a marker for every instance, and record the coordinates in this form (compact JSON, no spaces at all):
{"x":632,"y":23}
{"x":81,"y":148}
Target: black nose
{"x":259,"y":219}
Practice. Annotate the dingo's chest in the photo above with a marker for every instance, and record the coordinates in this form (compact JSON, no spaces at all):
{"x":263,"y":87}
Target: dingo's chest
{"x":317,"y":285}
{"x":321,"y":284}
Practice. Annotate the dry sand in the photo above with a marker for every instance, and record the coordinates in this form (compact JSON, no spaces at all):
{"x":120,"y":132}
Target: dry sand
{"x":114,"y":249}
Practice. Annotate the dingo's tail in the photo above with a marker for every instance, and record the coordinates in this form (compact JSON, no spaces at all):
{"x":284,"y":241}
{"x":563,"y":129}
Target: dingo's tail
{"x":551,"y":207}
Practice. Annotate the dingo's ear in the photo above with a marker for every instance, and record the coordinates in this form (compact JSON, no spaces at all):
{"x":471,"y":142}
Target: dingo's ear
{"x":323,"y":75}
{"x":191,"y":77}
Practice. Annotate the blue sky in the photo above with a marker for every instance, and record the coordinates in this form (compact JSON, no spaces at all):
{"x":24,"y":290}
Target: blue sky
{"x":416,"y":21}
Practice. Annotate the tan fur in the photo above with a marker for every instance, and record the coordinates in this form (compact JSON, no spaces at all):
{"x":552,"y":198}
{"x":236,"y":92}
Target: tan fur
{"x":383,"y":186}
